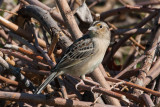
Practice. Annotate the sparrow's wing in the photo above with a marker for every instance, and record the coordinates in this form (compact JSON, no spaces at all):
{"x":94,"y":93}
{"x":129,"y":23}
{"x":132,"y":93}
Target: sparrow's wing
{"x":77,"y":52}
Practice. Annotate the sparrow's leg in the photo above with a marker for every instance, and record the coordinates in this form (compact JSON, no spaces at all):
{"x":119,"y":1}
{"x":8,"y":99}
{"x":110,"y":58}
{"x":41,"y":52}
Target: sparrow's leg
{"x":81,"y":81}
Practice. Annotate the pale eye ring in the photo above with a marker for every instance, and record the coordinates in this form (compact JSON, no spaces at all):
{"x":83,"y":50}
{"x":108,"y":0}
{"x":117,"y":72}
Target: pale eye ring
{"x":100,"y":26}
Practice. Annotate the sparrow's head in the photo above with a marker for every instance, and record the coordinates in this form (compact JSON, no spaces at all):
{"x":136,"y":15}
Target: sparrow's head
{"x":99,"y":29}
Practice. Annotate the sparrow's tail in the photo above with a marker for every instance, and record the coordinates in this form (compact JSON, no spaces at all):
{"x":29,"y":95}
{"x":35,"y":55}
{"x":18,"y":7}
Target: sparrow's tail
{"x":47,"y":81}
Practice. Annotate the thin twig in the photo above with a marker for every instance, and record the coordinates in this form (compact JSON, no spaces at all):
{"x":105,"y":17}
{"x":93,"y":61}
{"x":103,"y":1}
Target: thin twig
{"x":45,"y":55}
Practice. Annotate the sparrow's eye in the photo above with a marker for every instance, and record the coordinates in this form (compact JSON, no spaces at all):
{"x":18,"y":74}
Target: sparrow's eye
{"x":100,"y":26}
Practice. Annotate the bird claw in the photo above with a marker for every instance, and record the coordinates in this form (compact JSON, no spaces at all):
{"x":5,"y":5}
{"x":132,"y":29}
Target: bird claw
{"x":92,"y":88}
{"x":81,"y":82}
{"x":119,"y":83}
{"x":93,"y":92}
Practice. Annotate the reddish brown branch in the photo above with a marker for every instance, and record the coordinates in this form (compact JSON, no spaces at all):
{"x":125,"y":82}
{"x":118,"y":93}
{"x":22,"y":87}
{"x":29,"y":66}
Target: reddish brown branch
{"x":108,"y":57}
{"x":29,"y":60}
{"x":104,"y":91}
{"x":55,"y":15}
{"x":26,"y":52}
{"x":152,"y":73}
{"x":41,"y":99}
{"x":123,"y":10}
{"x":130,"y":66}
{"x":70,"y":20}
{"x":131,"y":31}
{"x":19,"y":31}
{"x":147,"y":100}
{"x":8,"y":81}
{"x":156,"y":93}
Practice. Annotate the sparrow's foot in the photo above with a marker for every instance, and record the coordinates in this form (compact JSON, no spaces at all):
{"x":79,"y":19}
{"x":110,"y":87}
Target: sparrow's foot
{"x":92,"y":87}
{"x":81,"y":82}
{"x":117,"y":84}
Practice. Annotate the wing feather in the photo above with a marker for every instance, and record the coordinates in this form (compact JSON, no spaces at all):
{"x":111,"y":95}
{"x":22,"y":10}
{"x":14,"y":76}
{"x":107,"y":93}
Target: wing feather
{"x":77,"y":52}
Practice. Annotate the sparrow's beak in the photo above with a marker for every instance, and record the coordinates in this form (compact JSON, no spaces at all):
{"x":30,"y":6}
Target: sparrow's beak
{"x":92,"y":28}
